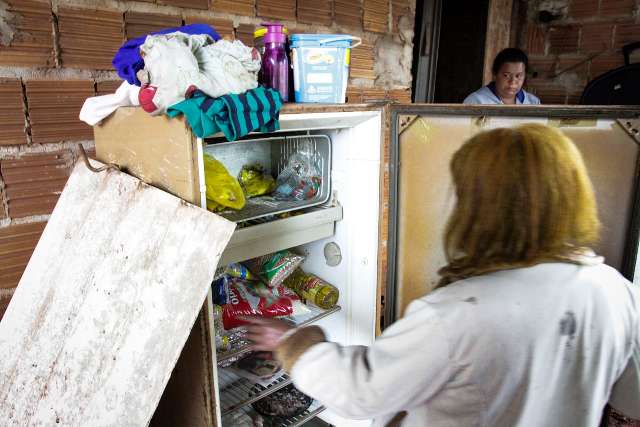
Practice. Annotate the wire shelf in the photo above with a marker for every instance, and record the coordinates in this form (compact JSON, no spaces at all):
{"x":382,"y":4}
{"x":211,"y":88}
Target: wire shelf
{"x":240,"y":345}
{"x":236,"y":392}
{"x":247,"y":415}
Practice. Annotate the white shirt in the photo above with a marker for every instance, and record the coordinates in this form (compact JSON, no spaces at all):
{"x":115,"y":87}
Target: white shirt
{"x":485,"y":95}
{"x":536,"y":346}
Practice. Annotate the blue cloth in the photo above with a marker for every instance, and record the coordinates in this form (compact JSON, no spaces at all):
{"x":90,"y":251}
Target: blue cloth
{"x":235,"y":115}
{"x":488,"y":95}
{"x":127,"y":60}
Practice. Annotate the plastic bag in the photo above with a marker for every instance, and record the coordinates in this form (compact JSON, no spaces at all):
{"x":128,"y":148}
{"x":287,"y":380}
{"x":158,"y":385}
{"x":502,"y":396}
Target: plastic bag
{"x":223,"y":190}
{"x":276,"y":267}
{"x":256,"y":299}
{"x":301,"y":178}
{"x":255,"y":182}
{"x":239,"y":271}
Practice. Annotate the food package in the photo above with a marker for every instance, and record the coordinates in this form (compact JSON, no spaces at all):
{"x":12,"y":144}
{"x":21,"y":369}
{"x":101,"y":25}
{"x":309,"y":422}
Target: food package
{"x":301,"y":178}
{"x":256,"y":299}
{"x":286,"y":402}
{"x":220,"y":290}
{"x":223,"y":190}
{"x":255,"y":182}
{"x":239,"y":271}
{"x":222,"y":341}
{"x":312,"y":289}
{"x":276,"y":267}
{"x":259,"y":368}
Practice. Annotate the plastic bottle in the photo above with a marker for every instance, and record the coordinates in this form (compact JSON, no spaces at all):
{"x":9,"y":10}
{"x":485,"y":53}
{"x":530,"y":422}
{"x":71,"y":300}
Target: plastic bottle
{"x":275,"y":62}
{"x":313,"y":289}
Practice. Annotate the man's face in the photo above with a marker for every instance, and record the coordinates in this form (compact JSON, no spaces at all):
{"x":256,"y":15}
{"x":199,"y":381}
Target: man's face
{"x":509,"y":79}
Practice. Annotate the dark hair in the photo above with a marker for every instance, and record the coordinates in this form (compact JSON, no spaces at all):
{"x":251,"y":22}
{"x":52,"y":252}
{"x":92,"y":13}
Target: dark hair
{"x":510,"y":54}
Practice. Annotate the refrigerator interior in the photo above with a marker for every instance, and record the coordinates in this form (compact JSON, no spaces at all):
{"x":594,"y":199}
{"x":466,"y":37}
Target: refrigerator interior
{"x":355,"y":177}
{"x":425,"y":194}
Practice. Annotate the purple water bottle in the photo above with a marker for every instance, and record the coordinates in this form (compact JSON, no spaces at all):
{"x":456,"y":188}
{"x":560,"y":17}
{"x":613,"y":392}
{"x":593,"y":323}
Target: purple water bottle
{"x":275,"y":62}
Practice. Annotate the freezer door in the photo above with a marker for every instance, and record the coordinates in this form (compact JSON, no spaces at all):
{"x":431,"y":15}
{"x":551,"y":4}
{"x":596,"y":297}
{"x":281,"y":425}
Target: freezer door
{"x":106,"y":303}
{"x":423,"y":140}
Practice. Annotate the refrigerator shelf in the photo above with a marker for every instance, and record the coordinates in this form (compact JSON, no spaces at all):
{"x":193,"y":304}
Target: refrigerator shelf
{"x":246,"y":415}
{"x":237,"y":392}
{"x":243,"y":346}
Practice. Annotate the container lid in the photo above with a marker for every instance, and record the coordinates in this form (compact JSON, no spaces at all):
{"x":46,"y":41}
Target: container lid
{"x":261,"y":31}
{"x":327,"y":40}
{"x":275,"y":33}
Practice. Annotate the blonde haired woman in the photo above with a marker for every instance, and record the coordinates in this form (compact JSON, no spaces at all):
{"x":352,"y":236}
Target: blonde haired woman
{"x":528,"y":326}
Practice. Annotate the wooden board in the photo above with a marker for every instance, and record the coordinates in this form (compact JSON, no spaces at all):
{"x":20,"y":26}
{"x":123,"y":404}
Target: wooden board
{"x":426,"y":193}
{"x":106,"y":303}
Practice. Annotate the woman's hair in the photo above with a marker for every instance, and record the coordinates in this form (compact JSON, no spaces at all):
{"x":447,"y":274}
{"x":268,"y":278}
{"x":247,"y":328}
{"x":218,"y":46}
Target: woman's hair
{"x":510,"y":54}
{"x":523,"y":197}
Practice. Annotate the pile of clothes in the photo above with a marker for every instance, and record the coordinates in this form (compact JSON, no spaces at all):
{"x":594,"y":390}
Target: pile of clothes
{"x":189,"y":70}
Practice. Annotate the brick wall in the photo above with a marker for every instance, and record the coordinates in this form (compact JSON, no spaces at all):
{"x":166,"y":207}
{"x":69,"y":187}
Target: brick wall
{"x":570,"y":42}
{"x":56,"y":53}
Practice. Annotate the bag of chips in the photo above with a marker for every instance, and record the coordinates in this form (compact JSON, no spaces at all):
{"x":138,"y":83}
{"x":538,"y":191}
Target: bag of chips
{"x":274,"y":268}
{"x":256,"y":299}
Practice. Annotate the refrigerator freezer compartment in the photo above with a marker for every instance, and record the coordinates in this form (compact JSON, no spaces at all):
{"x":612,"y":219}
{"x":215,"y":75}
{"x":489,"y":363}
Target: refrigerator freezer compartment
{"x":247,"y":414}
{"x":272,"y":154}
{"x":241,"y":346}
{"x":256,"y":240}
{"x":237,"y":392}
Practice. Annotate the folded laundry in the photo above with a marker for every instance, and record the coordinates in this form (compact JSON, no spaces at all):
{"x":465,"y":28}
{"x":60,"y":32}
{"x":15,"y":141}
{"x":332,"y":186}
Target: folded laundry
{"x":127,"y":61}
{"x":97,"y":108}
{"x":235,"y":115}
{"x":177,"y":64}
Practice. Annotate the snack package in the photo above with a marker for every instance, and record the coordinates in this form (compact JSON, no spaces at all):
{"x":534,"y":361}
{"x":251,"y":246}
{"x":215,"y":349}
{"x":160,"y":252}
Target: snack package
{"x":256,"y":299}
{"x":255,"y":182}
{"x":223,"y":190}
{"x":239,"y":271}
{"x":312,"y":289}
{"x":220,"y":290}
{"x":222,"y":341}
{"x":276,"y":267}
{"x":259,"y":368}
{"x":301,"y":178}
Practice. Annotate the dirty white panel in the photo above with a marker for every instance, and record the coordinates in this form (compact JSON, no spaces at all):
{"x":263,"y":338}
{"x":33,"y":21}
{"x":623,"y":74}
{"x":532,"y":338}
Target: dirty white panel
{"x":106,"y":303}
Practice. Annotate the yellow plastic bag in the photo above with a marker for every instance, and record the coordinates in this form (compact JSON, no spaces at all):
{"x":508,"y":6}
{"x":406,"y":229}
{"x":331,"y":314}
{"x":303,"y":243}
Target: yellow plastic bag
{"x":223,"y":190}
{"x":255,"y":181}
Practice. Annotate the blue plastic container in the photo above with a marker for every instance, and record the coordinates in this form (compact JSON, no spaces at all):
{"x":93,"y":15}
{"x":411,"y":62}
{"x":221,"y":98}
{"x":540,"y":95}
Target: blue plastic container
{"x":321,"y":66}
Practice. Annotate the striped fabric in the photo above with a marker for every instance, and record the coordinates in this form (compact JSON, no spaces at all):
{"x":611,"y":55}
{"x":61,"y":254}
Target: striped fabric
{"x":235,"y":115}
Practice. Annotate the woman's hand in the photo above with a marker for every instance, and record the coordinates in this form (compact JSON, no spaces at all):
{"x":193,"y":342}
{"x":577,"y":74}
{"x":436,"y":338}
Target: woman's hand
{"x":266,"y":333}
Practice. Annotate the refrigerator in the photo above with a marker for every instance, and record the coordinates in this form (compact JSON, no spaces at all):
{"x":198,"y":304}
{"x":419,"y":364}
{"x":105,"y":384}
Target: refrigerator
{"x":374,"y":232}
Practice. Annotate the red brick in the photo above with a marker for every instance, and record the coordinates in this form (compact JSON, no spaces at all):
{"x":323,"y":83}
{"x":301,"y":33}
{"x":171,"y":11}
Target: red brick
{"x":348,"y":13}
{"x":602,"y":64}
{"x":17,"y":243}
{"x":625,"y":34}
{"x":596,"y":37}
{"x":362,"y":62}
{"x":535,"y":40}
{"x":236,"y":7}
{"x":277,"y":9}
{"x":32,"y":43}
{"x":573,"y":97}
{"x":574,"y":68}
{"x":583,"y":8}
{"x":317,"y":12}
{"x":107,"y":87}
{"x":563,"y":39}
{"x":400,"y":8}
{"x":192,"y":4}
{"x":616,"y":7}
{"x":89,"y":38}
{"x":400,"y":95}
{"x":354,"y":95}
{"x":54,"y":107}
{"x":224,"y":27}
{"x":12,"y":117}
{"x":34,"y":182}
{"x":139,"y":24}
{"x":244,"y":33}
{"x":373,"y":94}
{"x":541,"y":68}
{"x":376,"y":15}
{"x":4,"y":303}
{"x":549,"y":94}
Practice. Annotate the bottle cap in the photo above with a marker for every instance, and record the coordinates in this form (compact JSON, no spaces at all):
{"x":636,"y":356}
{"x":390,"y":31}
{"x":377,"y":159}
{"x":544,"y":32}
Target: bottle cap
{"x":275,"y":33}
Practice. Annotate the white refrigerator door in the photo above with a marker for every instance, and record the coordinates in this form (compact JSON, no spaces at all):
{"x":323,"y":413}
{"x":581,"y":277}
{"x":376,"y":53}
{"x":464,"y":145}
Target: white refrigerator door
{"x":106,"y":303}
